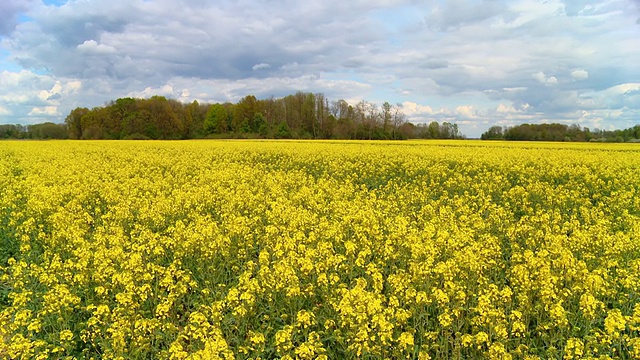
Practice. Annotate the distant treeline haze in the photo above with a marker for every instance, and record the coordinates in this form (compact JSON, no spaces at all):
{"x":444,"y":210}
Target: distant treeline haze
{"x":560,"y":132}
{"x":302,"y":115}
{"x":298,"y":116}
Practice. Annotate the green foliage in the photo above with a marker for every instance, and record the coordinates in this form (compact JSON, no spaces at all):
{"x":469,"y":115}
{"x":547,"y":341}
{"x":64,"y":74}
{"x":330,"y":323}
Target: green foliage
{"x":10,"y":131}
{"x":47,"y":130}
{"x":259,"y":124}
{"x":301,"y":115}
{"x":494,"y":133}
{"x":74,"y":122}
{"x":433,"y":130}
{"x":283,"y":131}
{"x":216,"y":120}
{"x":560,"y":132}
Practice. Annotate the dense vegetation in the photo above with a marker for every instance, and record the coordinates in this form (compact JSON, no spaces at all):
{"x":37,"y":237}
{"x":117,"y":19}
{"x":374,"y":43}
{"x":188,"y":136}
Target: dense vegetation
{"x":319,"y":250}
{"x":560,"y":132}
{"x":302,"y":115}
{"x":46,"y":130}
{"x":298,"y":116}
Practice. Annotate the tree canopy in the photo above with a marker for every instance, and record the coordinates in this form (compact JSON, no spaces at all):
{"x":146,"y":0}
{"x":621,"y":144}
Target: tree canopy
{"x":560,"y":132}
{"x":300,"y":115}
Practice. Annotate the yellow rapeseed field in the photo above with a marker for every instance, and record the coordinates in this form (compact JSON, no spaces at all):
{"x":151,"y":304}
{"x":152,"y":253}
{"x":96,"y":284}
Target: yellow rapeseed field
{"x":319,"y":250}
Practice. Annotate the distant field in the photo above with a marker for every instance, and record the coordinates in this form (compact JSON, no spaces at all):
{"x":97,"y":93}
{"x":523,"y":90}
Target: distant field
{"x":319,"y":250}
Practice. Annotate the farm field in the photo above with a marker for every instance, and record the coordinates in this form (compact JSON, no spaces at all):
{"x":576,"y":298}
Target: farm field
{"x":319,"y":250}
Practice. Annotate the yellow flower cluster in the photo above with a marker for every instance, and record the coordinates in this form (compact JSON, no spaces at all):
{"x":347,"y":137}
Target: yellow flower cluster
{"x":319,"y":250}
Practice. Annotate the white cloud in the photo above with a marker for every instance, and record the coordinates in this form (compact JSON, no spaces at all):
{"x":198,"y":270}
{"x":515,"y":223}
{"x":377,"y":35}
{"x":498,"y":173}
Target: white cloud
{"x":31,"y":97}
{"x":625,"y":88}
{"x":466,"y":111}
{"x":580,"y":74}
{"x":164,"y":90}
{"x":44,"y":110}
{"x":91,"y":47}
{"x":72,"y":87}
{"x":515,"y":89}
{"x":185,"y":95}
{"x":544,"y":79}
{"x":14,"y":98}
{"x":51,"y":95}
{"x":410,"y":108}
{"x":502,"y":108}
{"x":11,"y":79}
{"x":4,"y":111}
{"x":260,"y":66}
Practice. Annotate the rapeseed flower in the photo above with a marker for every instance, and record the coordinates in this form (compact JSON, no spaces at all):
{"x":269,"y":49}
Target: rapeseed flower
{"x":266,"y":249}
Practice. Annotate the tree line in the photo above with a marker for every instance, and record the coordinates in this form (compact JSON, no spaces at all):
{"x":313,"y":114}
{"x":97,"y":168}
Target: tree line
{"x":47,"y":130}
{"x":298,"y":116}
{"x":301,"y":115}
{"x":560,"y":132}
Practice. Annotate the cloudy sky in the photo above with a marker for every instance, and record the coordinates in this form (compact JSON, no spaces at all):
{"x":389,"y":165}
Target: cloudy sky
{"x":473,"y":62}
